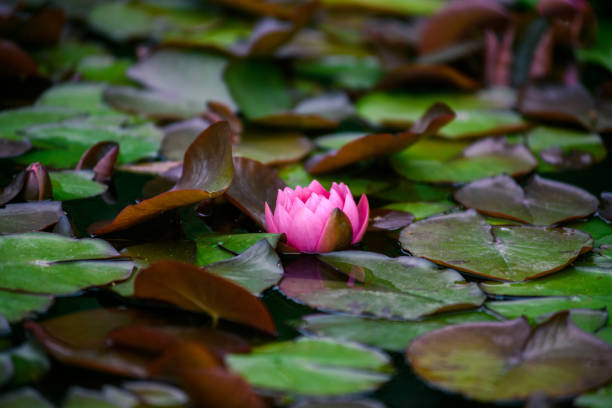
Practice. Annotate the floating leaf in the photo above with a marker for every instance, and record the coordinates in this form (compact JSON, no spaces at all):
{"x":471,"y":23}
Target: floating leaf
{"x":254,"y":184}
{"x":29,"y":361}
{"x":71,"y":185}
{"x":443,"y":161}
{"x":80,"y":339}
{"x":389,"y":220}
{"x":601,"y":398}
{"x":158,"y":105}
{"x":63,"y":144}
{"x":48,"y":263}
{"x":24,"y":398}
{"x":374,"y":145}
{"x":195,"y":289}
{"x":309,"y":366}
{"x":541,"y":202}
{"x":373,"y":284}
{"x":29,"y":217}
{"x":13,"y":148}
{"x":218,"y":247}
{"x":560,"y":149}
{"x":15,"y":120}
{"x":178,"y":136}
{"x":273,"y":148}
{"x":256,"y":269}
{"x":606,"y":206}
{"x":410,"y":7}
{"x":342,"y":70}
{"x":540,"y":309}
{"x":84,"y":98}
{"x":466,"y":242}
{"x":476,"y":115}
{"x":207,"y":173}
{"x":100,"y":158}
{"x":18,"y":306}
{"x":191,"y":75}
{"x":386,"y":334}
{"x":508,"y":361}
{"x":422,"y":209}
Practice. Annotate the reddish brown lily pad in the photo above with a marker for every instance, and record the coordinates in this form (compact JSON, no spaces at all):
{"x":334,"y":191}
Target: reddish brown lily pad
{"x":370,"y":146}
{"x":195,"y":289}
{"x":254,"y":185}
{"x":383,"y":219}
{"x":421,"y":75}
{"x":28,"y":217}
{"x":207,"y":173}
{"x":509,"y":361}
{"x":100,"y":158}
{"x":541,"y":202}
{"x":13,"y":148}
{"x":466,"y":242}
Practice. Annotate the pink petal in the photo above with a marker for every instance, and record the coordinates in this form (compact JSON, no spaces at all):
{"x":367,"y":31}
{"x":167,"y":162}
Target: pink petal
{"x":270,"y":225}
{"x":316,"y":187}
{"x":364,"y":217}
{"x":313,"y":201}
{"x":324,"y":210}
{"x":350,"y":209}
{"x":304,"y":232}
{"x":335,"y":199}
{"x":282,"y":219}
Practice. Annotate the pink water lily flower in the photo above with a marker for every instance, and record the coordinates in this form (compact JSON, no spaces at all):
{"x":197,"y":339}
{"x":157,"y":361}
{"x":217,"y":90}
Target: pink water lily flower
{"x":304,"y":215}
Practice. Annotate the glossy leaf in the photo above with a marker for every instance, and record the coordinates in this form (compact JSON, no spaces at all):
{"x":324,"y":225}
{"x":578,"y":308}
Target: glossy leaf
{"x":191,"y":75}
{"x":422,"y":209}
{"x":372,"y":284}
{"x":195,"y":289}
{"x":218,"y":247}
{"x":389,"y":220}
{"x":508,"y":361}
{"x":207,"y":173}
{"x":374,"y":145}
{"x":254,"y":184}
{"x":442,"y":161}
{"x":512,"y":253}
{"x":273,"y":148}
{"x":71,"y":185}
{"x":18,"y":306}
{"x":29,"y":217}
{"x":540,"y":202}
{"x":309,"y":366}
{"x":50,"y":263}
{"x":100,"y":158}
{"x":386,"y":334}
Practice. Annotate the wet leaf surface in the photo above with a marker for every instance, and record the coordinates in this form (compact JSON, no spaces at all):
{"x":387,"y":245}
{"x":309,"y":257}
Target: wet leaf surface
{"x":195,"y":289}
{"x":50,"y":263}
{"x":366,"y":283}
{"x":512,"y":360}
{"x":29,"y":217}
{"x":309,"y":366}
{"x":512,"y":253}
{"x":442,"y":161}
{"x":540,"y":202}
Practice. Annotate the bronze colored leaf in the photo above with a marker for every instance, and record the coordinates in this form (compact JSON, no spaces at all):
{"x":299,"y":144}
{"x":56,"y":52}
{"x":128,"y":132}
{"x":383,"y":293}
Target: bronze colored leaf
{"x":374,"y":145}
{"x":195,"y":289}
{"x":100,"y":158}
{"x":254,"y":185}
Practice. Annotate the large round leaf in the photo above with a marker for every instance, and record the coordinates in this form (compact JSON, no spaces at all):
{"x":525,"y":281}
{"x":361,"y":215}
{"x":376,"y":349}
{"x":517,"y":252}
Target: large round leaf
{"x":50,"y":263}
{"x":477,"y":115}
{"x":29,"y":217}
{"x":453,"y":161}
{"x":541,"y":202}
{"x":509,"y":361}
{"x":15,"y":120}
{"x":465,"y":241}
{"x":373,"y":284}
{"x":309,"y":366}
{"x":71,"y":185}
{"x":386,"y":334}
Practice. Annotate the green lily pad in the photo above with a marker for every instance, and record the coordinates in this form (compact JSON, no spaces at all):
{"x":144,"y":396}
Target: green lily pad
{"x":407,"y":7}
{"x":62,"y":144}
{"x":309,"y":366}
{"x":50,"y":263}
{"x":82,"y":97}
{"x":257,"y":269}
{"x":559,"y":149}
{"x":600,"y":230}
{"x":122,"y":21}
{"x":18,"y":306}
{"x":342,"y":70}
{"x":109,"y":398}
{"x":477,"y":115}
{"x":273,"y":148}
{"x":584,"y":284}
{"x":541,"y":202}
{"x":259,"y":88}
{"x":24,"y":398}
{"x":71,"y":185}
{"x":159,"y":105}
{"x":423,"y":209}
{"x":14,"y":120}
{"x":386,"y":334}
{"x":602,"y":398}
{"x":29,"y":363}
{"x":104,"y":68}
{"x":466,"y":242}
{"x":403,"y":190}
{"x":437,"y":161}
{"x":373,"y":284}
{"x":195,"y":76}
{"x":218,"y":247}
{"x":509,"y":361}
{"x":157,"y":394}
{"x":586,"y":313}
